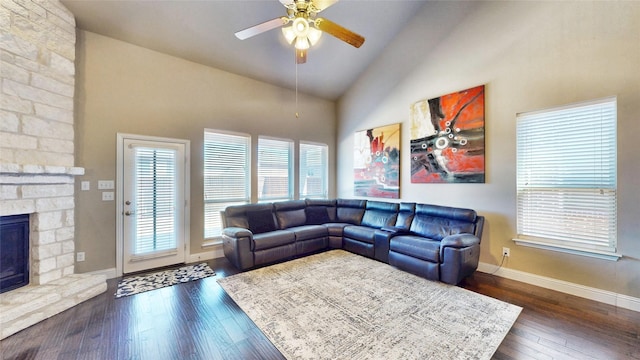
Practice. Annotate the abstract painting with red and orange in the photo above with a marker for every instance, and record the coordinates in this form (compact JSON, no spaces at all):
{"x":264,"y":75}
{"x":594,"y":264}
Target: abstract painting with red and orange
{"x":447,"y":138}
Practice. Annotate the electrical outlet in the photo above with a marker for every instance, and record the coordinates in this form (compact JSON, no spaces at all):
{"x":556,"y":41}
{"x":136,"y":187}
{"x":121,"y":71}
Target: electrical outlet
{"x":506,"y":252}
{"x":80,"y":256}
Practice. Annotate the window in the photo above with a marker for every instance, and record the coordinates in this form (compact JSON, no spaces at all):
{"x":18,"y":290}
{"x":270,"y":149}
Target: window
{"x":566,"y":178}
{"x":156,"y":200}
{"x":227,"y":176}
{"x":313,"y":171}
{"x":275,"y":169}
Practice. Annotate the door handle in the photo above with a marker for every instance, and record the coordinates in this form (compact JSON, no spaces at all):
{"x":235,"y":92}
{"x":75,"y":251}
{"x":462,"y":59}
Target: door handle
{"x":128,"y":213}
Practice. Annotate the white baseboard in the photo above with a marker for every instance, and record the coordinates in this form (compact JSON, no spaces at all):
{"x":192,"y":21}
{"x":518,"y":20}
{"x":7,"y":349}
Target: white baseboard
{"x":607,"y":297}
{"x":109,"y":273}
{"x":207,"y":255}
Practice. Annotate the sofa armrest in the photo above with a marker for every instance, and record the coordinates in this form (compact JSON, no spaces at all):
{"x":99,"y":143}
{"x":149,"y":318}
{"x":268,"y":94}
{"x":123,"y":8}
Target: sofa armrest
{"x":236,"y":244}
{"x":459,"y":256}
{"x":382,"y":237}
{"x":237,"y":232}
{"x":457,"y":241}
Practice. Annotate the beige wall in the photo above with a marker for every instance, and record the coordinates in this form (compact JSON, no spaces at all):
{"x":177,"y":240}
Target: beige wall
{"x":124,"y":88}
{"x":530,"y":55}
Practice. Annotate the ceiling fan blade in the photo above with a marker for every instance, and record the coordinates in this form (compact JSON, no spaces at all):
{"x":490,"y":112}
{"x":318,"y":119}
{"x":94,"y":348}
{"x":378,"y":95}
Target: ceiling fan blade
{"x":313,"y":5}
{"x":320,"y":5}
{"x":288,"y":3}
{"x":301,"y":56}
{"x":340,"y":32}
{"x":260,"y":28}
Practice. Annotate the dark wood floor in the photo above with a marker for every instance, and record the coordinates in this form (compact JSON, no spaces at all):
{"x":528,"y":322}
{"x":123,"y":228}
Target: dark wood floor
{"x":198,"y":320}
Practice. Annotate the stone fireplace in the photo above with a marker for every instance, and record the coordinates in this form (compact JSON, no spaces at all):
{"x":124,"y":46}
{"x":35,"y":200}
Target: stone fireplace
{"x":37,"y":172}
{"x":14,"y":252}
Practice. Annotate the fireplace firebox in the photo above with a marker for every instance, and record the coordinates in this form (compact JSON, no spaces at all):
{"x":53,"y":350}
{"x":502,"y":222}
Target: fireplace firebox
{"x":14,"y":252}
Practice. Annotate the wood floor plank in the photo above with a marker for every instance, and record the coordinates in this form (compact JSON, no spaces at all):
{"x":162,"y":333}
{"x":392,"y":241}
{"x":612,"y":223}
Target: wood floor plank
{"x":198,"y":320}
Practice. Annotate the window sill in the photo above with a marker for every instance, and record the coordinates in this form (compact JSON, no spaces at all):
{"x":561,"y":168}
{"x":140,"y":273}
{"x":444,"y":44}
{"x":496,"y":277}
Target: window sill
{"x":568,"y":250}
{"x":211,"y":242}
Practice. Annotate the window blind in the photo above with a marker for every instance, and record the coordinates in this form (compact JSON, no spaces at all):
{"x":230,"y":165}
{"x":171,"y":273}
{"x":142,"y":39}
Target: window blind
{"x":226,"y":176}
{"x":566,"y":176}
{"x":275,"y":169}
{"x":155,"y":185}
{"x":313,"y":171}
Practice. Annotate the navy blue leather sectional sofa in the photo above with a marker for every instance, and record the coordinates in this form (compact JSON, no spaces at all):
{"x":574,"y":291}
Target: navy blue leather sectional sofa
{"x":435,"y":242}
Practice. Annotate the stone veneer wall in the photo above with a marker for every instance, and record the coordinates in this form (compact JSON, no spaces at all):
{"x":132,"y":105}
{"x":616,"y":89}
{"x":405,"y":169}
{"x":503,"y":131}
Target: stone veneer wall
{"x":38,"y":73}
{"x":36,"y":115}
{"x":37,"y":173}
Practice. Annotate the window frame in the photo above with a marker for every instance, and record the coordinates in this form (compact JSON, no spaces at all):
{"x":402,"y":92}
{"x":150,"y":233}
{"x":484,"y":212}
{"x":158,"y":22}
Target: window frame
{"x":207,"y":233}
{"x":324,"y":148}
{"x":260,"y":176}
{"x":568,"y":203}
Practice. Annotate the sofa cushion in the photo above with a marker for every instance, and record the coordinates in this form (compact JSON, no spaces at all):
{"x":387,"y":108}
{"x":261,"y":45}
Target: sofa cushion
{"x":437,"y":228}
{"x":235,"y":216}
{"x":261,"y":221}
{"x":317,"y":215}
{"x":272,"y":239}
{"x":291,"y":218}
{"x":336,"y":229}
{"x":360,"y":233}
{"x":308,"y":232}
{"x":405,"y":215}
{"x":350,"y":211}
{"x":416,"y":246}
{"x":290,"y":213}
{"x":379,"y":214}
{"x":329,"y":205}
{"x":446,"y":212}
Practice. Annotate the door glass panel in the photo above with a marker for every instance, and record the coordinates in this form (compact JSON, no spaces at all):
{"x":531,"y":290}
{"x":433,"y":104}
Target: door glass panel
{"x":155,"y":193}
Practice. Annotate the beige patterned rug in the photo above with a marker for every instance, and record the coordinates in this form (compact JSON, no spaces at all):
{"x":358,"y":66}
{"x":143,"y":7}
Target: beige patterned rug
{"x":337,"y":305}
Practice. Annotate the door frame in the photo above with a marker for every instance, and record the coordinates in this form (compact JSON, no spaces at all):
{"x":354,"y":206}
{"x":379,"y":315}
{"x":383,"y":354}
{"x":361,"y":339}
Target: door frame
{"x":120,"y":195}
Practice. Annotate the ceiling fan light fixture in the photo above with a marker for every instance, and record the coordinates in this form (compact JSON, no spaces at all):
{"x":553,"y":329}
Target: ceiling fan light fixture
{"x":314,"y":35}
{"x":300,"y":27}
{"x":289,"y":34}
{"x":302,"y":43}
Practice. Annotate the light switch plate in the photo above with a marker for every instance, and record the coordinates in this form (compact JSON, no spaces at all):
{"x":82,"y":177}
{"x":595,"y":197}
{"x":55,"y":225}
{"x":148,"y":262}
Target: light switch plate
{"x":107,"y":196}
{"x":85,"y":185}
{"x":105,"y":184}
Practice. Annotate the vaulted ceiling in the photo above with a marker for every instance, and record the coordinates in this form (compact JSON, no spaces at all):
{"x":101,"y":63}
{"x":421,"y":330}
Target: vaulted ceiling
{"x":203,"y":32}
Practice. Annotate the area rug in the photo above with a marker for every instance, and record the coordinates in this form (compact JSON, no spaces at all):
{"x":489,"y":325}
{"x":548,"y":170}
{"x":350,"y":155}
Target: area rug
{"x":141,"y":283}
{"x":337,"y":305}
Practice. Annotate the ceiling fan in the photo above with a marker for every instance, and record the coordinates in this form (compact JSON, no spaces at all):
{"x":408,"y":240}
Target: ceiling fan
{"x":306,"y":28}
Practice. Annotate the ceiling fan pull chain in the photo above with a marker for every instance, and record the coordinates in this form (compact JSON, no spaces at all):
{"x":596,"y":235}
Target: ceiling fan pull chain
{"x":297,"y":115}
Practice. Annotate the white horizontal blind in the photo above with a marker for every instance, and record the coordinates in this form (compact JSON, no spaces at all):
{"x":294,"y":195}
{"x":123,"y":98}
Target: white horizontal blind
{"x":313,"y":171}
{"x":275,"y":169}
{"x":226,"y":176}
{"x":155,"y":193}
{"x":566,"y":171}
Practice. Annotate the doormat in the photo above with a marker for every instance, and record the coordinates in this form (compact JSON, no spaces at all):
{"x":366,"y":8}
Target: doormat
{"x":141,"y":283}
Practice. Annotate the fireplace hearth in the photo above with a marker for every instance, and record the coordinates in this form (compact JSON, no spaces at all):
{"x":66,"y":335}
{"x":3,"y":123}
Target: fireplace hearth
{"x":14,"y":252}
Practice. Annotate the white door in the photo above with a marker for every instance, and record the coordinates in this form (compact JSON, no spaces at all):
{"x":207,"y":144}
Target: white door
{"x":153,"y":208}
